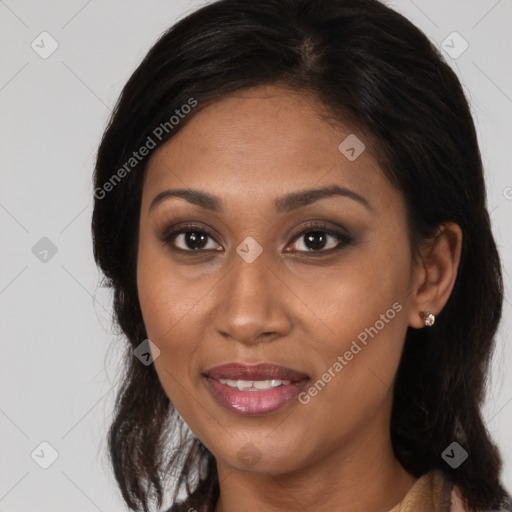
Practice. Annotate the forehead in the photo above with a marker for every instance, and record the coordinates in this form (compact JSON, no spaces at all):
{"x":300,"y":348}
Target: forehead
{"x":262,"y":142}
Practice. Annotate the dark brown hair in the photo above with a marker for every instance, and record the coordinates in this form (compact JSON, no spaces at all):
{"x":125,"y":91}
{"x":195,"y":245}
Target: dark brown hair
{"x":372,"y":69}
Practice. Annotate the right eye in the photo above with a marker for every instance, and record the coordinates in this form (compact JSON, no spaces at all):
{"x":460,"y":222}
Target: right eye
{"x":192,"y":238}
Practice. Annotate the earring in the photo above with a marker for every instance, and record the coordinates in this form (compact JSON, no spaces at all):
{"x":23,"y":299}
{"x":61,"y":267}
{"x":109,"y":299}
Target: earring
{"x":428,"y":317}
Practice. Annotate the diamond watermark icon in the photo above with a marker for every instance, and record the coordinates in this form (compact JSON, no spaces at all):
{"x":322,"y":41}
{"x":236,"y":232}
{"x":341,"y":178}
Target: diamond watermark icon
{"x":454,"y":455}
{"x":249,"y":454}
{"x":352,"y":147}
{"x":147,"y":352}
{"x":249,"y":249}
{"x":454,"y":45}
{"x":44,"y":455}
{"x":44,"y":45}
{"x":44,"y":250}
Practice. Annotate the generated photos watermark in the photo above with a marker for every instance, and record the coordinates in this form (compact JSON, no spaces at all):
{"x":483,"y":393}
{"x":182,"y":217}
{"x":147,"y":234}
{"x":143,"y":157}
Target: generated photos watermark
{"x":137,"y":156}
{"x":343,"y":360}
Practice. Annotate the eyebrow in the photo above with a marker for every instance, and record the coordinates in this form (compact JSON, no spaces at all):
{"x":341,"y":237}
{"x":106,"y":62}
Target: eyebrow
{"x":287,"y":203}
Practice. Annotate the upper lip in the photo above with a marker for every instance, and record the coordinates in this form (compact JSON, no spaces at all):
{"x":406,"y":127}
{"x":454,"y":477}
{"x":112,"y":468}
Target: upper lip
{"x":262,"y":371}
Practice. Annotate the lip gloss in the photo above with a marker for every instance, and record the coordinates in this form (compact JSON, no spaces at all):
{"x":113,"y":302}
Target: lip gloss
{"x":251,"y":403}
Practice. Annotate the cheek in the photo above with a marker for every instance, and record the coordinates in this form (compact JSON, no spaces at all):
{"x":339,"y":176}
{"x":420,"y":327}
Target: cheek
{"x":167,"y":306}
{"x":167,"y":294}
{"x":363,"y":325}
{"x":176,"y":301}
{"x":170,"y":320}
{"x":343,"y":300}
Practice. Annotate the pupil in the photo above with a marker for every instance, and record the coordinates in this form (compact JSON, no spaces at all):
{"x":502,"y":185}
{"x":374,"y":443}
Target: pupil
{"x":312,"y":239}
{"x":193,"y":237}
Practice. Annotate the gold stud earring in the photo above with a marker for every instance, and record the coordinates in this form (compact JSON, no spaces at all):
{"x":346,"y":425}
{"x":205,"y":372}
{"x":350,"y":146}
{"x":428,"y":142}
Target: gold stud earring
{"x":428,"y":317}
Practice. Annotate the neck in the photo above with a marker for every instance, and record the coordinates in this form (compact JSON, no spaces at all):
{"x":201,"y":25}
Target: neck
{"x":366,"y":476}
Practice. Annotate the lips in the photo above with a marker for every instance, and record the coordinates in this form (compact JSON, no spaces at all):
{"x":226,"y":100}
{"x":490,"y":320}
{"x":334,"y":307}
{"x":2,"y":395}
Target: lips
{"x":252,"y":390}
{"x":259,"y":372}
{"x":254,"y":403}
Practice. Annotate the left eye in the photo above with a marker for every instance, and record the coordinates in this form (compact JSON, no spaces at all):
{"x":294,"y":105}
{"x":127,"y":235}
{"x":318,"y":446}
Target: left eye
{"x":314,"y":239}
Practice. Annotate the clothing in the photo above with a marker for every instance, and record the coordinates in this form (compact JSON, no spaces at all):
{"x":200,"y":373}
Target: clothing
{"x":433,"y":493}
{"x":430,"y":493}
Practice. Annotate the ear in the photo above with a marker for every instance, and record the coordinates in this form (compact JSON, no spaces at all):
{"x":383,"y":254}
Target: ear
{"x":435,"y":272}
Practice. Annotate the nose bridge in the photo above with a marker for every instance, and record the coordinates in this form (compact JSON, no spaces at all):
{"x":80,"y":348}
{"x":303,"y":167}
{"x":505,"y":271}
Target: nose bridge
{"x":248,"y":303}
{"x":250,"y":277}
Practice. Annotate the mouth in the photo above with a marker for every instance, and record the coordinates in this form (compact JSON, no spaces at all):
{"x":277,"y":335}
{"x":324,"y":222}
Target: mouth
{"x":254,"y":390}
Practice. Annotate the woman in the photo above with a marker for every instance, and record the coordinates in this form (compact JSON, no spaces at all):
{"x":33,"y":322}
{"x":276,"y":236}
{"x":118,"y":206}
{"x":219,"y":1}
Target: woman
{"x":290,"y":209}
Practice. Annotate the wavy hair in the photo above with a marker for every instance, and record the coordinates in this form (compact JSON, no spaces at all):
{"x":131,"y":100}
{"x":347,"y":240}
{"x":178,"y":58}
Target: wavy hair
{"x":374,"y":70}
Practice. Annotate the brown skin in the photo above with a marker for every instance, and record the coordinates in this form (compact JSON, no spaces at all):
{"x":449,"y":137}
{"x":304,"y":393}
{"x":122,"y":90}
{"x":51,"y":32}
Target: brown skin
{"x":290,"y":308}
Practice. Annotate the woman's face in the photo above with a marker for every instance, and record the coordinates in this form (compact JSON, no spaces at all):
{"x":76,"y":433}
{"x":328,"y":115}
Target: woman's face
{"x":252,"y":282}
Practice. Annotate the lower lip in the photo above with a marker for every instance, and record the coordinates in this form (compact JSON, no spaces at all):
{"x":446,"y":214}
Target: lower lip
{"x":251,"y":403}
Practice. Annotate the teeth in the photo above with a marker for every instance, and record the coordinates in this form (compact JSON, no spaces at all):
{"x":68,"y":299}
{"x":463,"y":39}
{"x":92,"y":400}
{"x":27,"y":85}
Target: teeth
{"x":254,"y":385}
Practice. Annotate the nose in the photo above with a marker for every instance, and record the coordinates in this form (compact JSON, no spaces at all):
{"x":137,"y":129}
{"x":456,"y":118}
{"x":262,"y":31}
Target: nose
{"x":252,"y":302}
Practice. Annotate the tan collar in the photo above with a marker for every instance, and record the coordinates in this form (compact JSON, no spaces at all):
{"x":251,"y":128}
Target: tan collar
{"x":430,"y":493}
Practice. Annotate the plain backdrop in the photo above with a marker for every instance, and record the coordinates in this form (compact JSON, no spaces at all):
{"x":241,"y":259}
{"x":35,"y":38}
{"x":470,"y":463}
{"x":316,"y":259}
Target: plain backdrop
{"x":59,"y":354}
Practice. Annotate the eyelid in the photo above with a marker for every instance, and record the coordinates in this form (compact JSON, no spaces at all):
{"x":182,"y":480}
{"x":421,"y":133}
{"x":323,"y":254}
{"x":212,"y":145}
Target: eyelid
{"x":320,"y":226}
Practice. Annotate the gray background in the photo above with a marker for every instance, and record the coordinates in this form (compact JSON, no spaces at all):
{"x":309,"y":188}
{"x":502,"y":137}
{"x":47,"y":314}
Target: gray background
{"x":59,"y":354}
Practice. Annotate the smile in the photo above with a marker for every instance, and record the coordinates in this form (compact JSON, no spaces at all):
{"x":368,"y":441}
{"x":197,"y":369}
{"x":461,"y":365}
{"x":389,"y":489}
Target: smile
{"x":252,"y":398}
{"x":254,"y":385}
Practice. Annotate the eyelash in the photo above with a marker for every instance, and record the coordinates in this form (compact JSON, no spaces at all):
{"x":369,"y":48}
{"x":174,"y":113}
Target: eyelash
{"x":343,"y":238}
